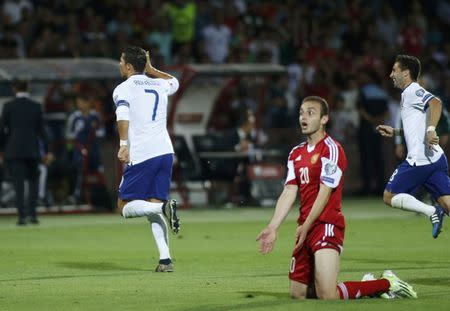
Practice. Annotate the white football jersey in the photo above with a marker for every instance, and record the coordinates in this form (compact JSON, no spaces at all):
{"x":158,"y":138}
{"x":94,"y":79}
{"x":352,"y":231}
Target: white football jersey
{"x":413,"y":110}
{"x":147,"y":101}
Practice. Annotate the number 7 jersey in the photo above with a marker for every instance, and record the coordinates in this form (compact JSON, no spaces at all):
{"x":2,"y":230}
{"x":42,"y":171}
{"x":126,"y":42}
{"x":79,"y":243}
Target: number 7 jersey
{"x":147,"y":100}
{"x":308,"y":167}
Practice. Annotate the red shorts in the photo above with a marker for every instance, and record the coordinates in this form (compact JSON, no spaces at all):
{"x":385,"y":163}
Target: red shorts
{"x":321,"y":236}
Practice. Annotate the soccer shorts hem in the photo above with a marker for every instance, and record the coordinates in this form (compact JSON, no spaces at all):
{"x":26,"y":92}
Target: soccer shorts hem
{"x":321,"y":236}
{"x":148,"y":179}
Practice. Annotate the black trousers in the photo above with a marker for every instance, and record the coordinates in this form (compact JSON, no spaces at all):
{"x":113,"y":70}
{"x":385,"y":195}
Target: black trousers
{"x":21,"y":170}
{"x":372,"y":159}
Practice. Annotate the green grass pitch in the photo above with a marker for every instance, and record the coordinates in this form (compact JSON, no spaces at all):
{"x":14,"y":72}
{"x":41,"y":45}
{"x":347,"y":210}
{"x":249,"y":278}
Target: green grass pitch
{"x":103,"y":262}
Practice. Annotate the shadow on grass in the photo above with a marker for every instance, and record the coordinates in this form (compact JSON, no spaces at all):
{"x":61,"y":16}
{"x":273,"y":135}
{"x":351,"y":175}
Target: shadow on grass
{"x":250,"y":304}
{"x":391,"y":261}
{"x":58,"y":277}
{"x":433,"y":281}
{"x":99,"y":266}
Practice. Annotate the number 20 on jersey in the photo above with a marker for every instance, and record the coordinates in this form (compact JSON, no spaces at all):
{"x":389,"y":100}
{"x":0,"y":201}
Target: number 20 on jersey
{"x":304,"y":175}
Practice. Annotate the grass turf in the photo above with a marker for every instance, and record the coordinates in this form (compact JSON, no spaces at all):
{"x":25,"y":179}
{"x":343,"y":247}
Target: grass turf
{"x":103,"y":262}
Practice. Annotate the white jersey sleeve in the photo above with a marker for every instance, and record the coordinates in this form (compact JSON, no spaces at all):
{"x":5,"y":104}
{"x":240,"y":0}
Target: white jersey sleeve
{"x":173,"y":86}
{"x":330,"y":174}
{"x":290,"y":178}
{"x":419,"y":98}
{"x":122,"y":101}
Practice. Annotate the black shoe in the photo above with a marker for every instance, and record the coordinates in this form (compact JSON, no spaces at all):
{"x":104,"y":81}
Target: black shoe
{"x":164,"y":268}
{"x":21,"y":222}
{"x":34,"y":221}
{"x":170,"y":212}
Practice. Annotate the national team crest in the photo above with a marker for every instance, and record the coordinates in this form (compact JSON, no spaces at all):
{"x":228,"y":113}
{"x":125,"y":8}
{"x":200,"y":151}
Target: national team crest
{"x":314,"y":158}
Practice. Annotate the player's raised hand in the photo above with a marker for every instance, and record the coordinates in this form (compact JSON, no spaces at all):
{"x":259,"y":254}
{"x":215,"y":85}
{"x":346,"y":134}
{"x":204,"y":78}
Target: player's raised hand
{"x":385,"y":130}
{"x":149,"y":63}
{"x":300,"y":236}
{"x":124,"y":154}
{"x":267,"y":239}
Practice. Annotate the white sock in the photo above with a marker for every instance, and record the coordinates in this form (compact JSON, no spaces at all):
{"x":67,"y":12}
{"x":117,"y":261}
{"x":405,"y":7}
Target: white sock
{"x":139,"y":208}
{"x":408,"y":202}
{"x":160,"y":232}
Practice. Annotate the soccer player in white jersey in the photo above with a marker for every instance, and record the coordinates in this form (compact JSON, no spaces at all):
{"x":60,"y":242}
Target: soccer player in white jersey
{"x":425,"y":164}
{"x":145,"y":147}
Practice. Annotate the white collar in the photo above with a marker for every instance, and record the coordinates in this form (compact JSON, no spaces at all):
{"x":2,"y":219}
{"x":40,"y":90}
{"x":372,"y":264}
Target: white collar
{"x":22,"y":94}
{"x":310,"y":148}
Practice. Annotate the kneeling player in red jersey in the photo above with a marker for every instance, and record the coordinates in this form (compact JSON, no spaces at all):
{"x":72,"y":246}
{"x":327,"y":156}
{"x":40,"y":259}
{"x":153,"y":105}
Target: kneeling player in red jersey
{"x":315,"y":170}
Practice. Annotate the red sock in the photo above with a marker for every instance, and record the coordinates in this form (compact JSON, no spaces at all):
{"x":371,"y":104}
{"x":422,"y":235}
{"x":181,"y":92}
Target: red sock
{"x":354,"y":290}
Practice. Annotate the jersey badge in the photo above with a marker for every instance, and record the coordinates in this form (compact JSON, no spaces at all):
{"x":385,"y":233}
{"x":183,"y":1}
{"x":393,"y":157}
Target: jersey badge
{"x":420,"y":92}
{"x":314,"y":158}
{"x":298,"y":158}
{"x":330,"y":168}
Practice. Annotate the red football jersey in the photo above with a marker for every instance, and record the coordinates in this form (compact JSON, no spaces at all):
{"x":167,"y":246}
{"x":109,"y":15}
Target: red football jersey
{"x":308,"y":167}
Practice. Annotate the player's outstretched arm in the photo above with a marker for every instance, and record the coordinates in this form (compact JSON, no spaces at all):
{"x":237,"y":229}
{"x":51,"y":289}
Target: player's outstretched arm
{"x":268,"y":235}
{"x":152,"y":71}
{"x":388,"y":131}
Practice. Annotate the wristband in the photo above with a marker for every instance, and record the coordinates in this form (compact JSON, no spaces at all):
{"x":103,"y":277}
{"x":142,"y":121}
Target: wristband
{"x":123,"y":143}
{"x":431,"y":128}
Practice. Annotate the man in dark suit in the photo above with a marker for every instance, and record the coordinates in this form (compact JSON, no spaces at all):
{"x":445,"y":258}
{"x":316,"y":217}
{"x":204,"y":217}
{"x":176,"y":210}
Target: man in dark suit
{"x":22,"y":130}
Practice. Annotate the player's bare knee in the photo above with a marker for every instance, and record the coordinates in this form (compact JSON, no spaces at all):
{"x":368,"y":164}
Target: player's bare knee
{"x":297,"y":290}
{"x":387,"y":197}
{"x":327,"y":293}
{"x":297,"y":294}
{"x":120,"y":205}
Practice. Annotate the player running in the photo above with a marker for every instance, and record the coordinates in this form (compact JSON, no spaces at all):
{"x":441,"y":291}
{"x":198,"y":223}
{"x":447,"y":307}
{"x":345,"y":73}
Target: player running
{"x":145,"y":147}
{"x":315,"y":170}
{"x":425,"y":164}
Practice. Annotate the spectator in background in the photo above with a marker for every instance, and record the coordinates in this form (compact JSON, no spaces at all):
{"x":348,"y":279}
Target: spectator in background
{"x":245,"y":139}
{"x":84,"y":128}
{"x":411,"y":38}
{"x":13,"y":10}
{"x":241,"y":102}
{"x":216,"y":39}
{"x":373,"y":110}
{"x":22,"y":126}
{"x":350,"y":95}
{"x":387,"y":25}
{"x":278,"y":113}
{"x":44,"y":197}
{"x":161,"y":38}
{"x":342,"y":125}
{"x":182,"y":15}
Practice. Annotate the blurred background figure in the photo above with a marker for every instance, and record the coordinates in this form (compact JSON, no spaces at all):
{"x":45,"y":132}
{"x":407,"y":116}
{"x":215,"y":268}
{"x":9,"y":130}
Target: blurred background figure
{"x":373,"y":110}
{"x":248,"y":140}
{"x":84,"y":130}
{"x":22,"y":128}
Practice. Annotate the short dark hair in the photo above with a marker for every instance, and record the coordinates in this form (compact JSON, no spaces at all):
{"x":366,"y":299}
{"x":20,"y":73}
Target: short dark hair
{"x":135,"y":56}
{"x":411,"y":63}
{"x":20,"y":85}
{"x":324,"y":110}
{"x":83,"y":96}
